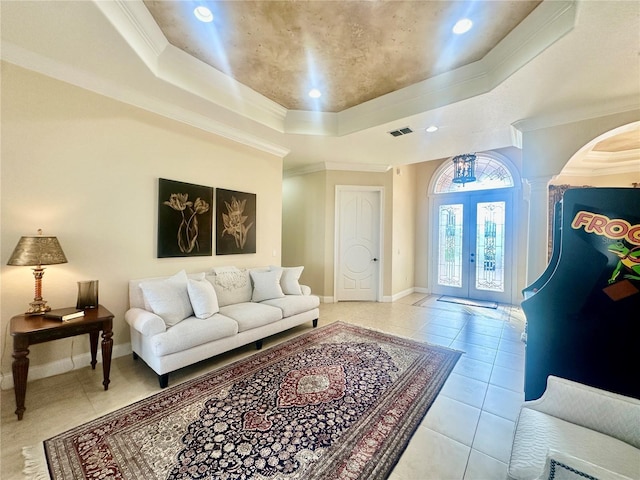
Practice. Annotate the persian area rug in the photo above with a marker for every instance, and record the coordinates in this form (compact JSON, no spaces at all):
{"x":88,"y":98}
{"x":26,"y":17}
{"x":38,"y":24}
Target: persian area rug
{"x":339,"y":402}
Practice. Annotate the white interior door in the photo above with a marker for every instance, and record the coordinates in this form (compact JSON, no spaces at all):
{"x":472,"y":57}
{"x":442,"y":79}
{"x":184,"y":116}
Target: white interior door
{"x":358,"y":233}
{"x":473,"y":240}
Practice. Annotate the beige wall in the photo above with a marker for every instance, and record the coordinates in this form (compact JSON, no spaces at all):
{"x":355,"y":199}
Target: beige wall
{"x":424,"y":173}
{"x":303,"y":227}
{"x":85,"y":168}
{"x":309,"y":213}
{"x":403,"y":227}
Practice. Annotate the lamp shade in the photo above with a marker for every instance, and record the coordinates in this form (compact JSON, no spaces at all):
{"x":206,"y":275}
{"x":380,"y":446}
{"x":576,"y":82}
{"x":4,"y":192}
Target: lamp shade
{"x":35,"y":250}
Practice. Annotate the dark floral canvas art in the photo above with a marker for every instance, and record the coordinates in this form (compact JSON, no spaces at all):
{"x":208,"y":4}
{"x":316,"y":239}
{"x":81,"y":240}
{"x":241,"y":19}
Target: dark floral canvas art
{"x":235,"y":222}
{"x":185,"y":219}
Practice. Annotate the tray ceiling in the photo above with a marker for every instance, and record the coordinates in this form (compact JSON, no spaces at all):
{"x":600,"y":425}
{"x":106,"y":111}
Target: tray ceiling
{"x":352,"y":51}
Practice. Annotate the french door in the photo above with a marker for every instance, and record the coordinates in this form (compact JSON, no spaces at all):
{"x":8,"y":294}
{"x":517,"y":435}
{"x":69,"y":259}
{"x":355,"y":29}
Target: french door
{"x":473,"y":241}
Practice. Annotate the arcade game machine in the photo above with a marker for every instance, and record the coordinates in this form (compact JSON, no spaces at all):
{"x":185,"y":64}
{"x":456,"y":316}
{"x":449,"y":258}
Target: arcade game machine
{"x":583,"y":313}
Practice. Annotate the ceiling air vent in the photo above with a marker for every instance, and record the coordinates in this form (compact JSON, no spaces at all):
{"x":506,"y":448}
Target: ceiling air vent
{"x":400,"y":131}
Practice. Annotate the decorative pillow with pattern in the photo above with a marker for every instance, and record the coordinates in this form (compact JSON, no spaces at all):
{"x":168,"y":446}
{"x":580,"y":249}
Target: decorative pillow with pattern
{"x":231,"y":286}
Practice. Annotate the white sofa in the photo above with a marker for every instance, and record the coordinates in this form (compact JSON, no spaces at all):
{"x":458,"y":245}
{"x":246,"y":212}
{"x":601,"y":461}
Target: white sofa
{"x":576,"y":431}
{"x":182,"y":319}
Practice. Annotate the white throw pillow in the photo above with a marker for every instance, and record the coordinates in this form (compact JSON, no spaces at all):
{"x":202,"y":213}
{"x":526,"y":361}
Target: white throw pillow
{"x":290,"y":280}
{"x":266,"y":285}
{"x":203,"y":298}
{"x":169,"y":298}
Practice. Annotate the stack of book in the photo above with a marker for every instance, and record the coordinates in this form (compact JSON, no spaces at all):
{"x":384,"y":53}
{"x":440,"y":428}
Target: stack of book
{"x":65,"y":314}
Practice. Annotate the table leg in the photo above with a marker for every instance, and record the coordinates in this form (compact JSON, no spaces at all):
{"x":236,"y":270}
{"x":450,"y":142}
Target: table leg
{"x":20,"y":369}
{"x":107,"y":346}
{"x":93,"y":340}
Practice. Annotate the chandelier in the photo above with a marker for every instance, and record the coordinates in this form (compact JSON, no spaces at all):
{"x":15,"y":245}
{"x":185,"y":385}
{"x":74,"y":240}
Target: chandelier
{"x":464,"y":168}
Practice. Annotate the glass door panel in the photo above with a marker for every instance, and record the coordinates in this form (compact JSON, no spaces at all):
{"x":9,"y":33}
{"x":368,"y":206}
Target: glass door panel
{"x":450,"y":230}
{"x":471,"y":246}
{"x":490,"y":239}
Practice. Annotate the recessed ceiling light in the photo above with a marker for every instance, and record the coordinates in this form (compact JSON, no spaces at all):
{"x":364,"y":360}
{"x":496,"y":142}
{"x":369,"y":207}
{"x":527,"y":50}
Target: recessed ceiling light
{"x":203,"y":14}
{"x":315,"y":93}
{"x":432,"y":129}
{"x":462,"y":26}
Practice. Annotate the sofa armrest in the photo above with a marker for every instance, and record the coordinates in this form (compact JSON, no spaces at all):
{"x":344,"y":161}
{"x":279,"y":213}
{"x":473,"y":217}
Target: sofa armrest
{"x":145,"y":322}
{"x":605,"y":412}
{"x":306,"y":290}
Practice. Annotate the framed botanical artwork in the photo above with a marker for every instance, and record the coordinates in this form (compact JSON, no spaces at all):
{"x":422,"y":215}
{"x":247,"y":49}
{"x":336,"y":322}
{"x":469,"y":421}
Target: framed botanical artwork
{"x":185,"y":219}
{"x":235,"y":222}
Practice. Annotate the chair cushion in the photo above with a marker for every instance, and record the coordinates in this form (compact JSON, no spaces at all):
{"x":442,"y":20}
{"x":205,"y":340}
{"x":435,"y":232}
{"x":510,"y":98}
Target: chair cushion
{"x":537,"y":432}
{"x":192,"y":332}
{"x":294,"y":304}
{"x":251,"y":315}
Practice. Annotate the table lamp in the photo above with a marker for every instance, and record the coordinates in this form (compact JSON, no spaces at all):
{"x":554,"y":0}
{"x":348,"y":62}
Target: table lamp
{"x":35,"y":251}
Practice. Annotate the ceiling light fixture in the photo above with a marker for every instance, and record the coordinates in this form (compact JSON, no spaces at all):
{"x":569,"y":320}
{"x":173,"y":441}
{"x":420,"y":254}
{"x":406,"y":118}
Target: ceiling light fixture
{"x":462,"y":26}
{"x":315,"y":93}
{"x":203,"y":14}
{"x":432,"y":129}
{"x":464,"y":168}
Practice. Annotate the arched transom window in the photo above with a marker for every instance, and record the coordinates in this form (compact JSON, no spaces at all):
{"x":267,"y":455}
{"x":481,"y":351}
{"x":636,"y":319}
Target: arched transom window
{"x":490,"y":173}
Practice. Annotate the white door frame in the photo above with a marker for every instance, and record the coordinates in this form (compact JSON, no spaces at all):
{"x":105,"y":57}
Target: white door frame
{"x":336,"y":247}
{"x":511,"y":239}
{"x":517,"y":223}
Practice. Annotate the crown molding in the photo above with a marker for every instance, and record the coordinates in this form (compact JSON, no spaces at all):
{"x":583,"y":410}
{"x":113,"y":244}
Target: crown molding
{"x":545,"y":25}
{"x":32,"y":61}
{"x":595,"y":163}
{"x":584,"y":112}
{"x":134,"y":23}
{"x":334,"y":166}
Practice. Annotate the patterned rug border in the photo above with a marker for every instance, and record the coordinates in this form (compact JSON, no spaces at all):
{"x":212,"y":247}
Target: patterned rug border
{"x":170,"y":398}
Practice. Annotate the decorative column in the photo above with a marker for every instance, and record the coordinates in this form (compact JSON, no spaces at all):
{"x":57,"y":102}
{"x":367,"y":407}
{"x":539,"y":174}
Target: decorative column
{"x":537,"y":236}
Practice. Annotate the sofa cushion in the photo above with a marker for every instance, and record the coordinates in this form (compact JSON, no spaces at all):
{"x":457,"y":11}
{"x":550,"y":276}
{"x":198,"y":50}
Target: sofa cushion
{"x":232,"y":285}
{"x":560,"y":466}
{"x":251,"y":315}
{"x":203,"y":298}
{"x":192,"y":332}
{"x":294,"y":304}
{"x":168,"y":298}
{"x":537,"y":432}
{"x":266,"y":285}
{"x":290,"y":280}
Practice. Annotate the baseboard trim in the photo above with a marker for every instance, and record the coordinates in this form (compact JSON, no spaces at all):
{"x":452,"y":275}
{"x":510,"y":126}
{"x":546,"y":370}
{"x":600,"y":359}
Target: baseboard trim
{"x":65,"y":365}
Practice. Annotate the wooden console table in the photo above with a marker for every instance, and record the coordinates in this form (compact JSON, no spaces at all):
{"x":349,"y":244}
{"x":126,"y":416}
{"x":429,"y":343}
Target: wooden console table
{"x":31,"y":329}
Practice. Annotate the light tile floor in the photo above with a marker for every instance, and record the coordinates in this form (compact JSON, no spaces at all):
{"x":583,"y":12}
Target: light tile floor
{"x":465,"y":435}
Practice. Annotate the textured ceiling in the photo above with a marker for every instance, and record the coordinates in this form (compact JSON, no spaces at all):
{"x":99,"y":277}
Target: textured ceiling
{"x":353,"y":51}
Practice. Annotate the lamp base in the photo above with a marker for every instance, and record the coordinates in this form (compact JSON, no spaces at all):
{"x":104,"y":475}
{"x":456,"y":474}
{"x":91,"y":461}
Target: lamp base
{"x":38,"y":307}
